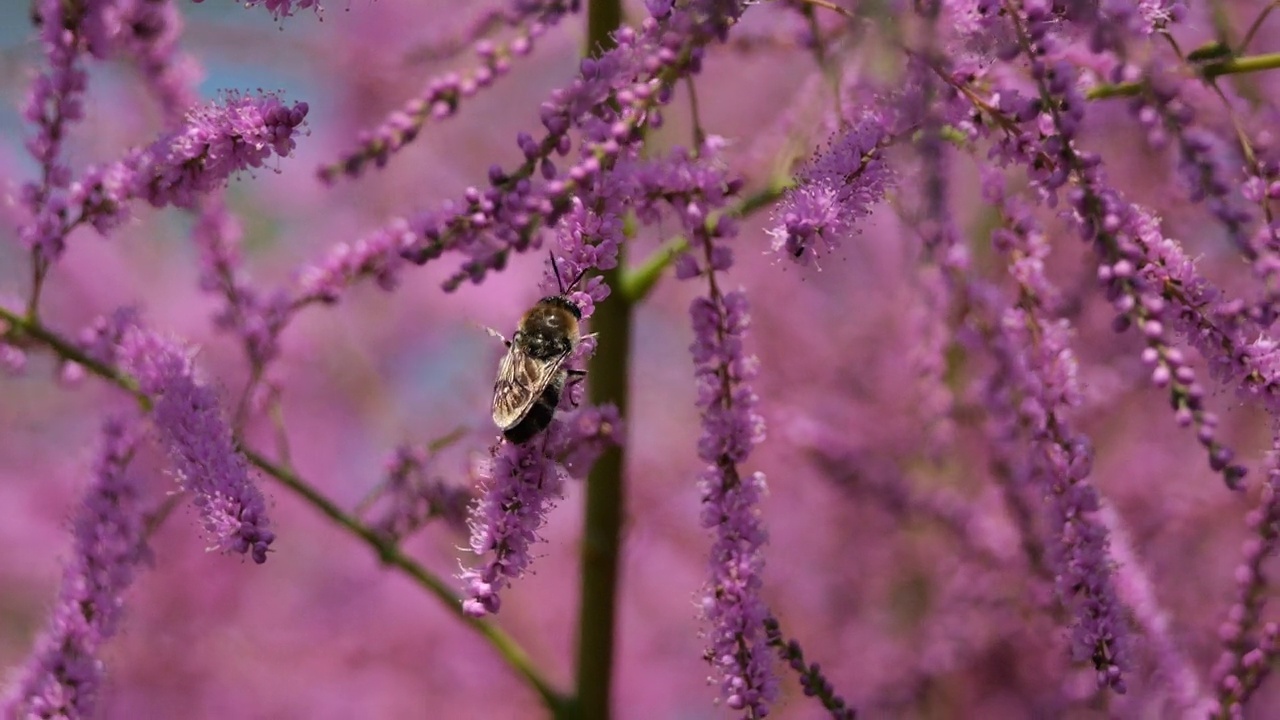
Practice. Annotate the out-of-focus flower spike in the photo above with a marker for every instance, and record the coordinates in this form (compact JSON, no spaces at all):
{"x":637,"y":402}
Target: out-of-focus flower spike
{"x":56,"y":100}
{"x":1038,"y":369}
{"x":731,"y":427}
{"x":442,"y":96}
{"x":410,"y":497}
{"x":148,"y":32}
{"x":1250,"y":646}
{"x":258,"y":319}
{"x":1171,"y":664}
{"x":62,"y":677}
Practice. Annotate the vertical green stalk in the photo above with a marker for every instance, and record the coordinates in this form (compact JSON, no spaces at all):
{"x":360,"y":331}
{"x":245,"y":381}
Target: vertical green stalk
{"x":608,"y":373}
{"x":602,"y":537}
{"x":603,"y":17}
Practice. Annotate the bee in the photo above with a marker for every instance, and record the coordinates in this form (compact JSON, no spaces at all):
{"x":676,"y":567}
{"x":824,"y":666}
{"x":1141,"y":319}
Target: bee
{"x":532,"y":375}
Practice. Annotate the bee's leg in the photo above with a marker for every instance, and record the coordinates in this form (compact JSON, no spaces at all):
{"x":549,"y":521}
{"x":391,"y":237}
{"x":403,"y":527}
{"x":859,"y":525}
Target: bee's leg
{"x":546,"y":438}
{"x":574,"y":376}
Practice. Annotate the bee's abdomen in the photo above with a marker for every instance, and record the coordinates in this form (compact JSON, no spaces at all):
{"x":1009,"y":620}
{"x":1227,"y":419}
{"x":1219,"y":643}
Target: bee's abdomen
{"x":538,"y":417}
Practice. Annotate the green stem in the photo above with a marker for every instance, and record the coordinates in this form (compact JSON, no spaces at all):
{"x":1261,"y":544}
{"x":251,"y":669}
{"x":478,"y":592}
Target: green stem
{"x":603,"y":17}
{"x":1246,"y":64}
{"x":22,"y":330}
{"x":389,"y":553}
{"x":602,"y":535}
{"x":608,"y":371}
{"x":1232,"y":66}
{"x":635,"y":284}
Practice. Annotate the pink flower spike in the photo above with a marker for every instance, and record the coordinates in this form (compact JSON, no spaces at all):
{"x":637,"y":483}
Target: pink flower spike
{"x":189,"y":423}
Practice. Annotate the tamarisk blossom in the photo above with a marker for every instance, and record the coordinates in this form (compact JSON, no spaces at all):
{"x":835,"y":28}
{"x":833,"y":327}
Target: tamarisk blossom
{"x":413,"y":497}
{"x":523,"y":482}
{"x":835,"y":190}
{"x":731,"y":427}
{"x":190,"y":426}
{"x":1033,"y":392}
{"x":63,"y":675}
{"x":694,"y":186}
{"x":614,"y":97}
{"x":214,"y":142}
{"x":1151,"y":292}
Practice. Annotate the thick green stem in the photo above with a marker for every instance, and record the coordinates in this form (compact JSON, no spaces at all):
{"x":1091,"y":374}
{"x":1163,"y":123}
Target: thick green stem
{"x":602,"y":536}
{"x":603,"y":17}
{"x":608,"y":373}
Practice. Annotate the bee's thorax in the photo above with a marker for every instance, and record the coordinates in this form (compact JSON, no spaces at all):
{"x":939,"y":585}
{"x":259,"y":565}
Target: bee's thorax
{"x":550,"y":328}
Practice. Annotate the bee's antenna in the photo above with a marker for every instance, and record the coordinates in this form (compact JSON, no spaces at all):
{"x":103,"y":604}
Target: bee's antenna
{"x":559,"y":282}
{"x":556,"y":268}
{"x":581,"y":272}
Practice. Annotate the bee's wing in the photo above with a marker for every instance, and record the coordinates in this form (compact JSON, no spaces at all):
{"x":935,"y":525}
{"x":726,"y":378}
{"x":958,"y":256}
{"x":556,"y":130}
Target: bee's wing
{"x":521,"y":380}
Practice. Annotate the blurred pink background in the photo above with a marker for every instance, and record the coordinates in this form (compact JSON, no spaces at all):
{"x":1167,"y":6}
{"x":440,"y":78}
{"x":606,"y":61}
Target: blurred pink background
{"x":902,"y":622}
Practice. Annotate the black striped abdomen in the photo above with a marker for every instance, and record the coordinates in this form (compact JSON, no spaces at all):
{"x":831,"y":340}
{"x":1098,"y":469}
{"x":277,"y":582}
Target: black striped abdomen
{"x":539,"y":415}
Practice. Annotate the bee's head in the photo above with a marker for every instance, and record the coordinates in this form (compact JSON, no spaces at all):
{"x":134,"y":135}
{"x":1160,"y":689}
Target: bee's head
{"x":563,"y":302}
